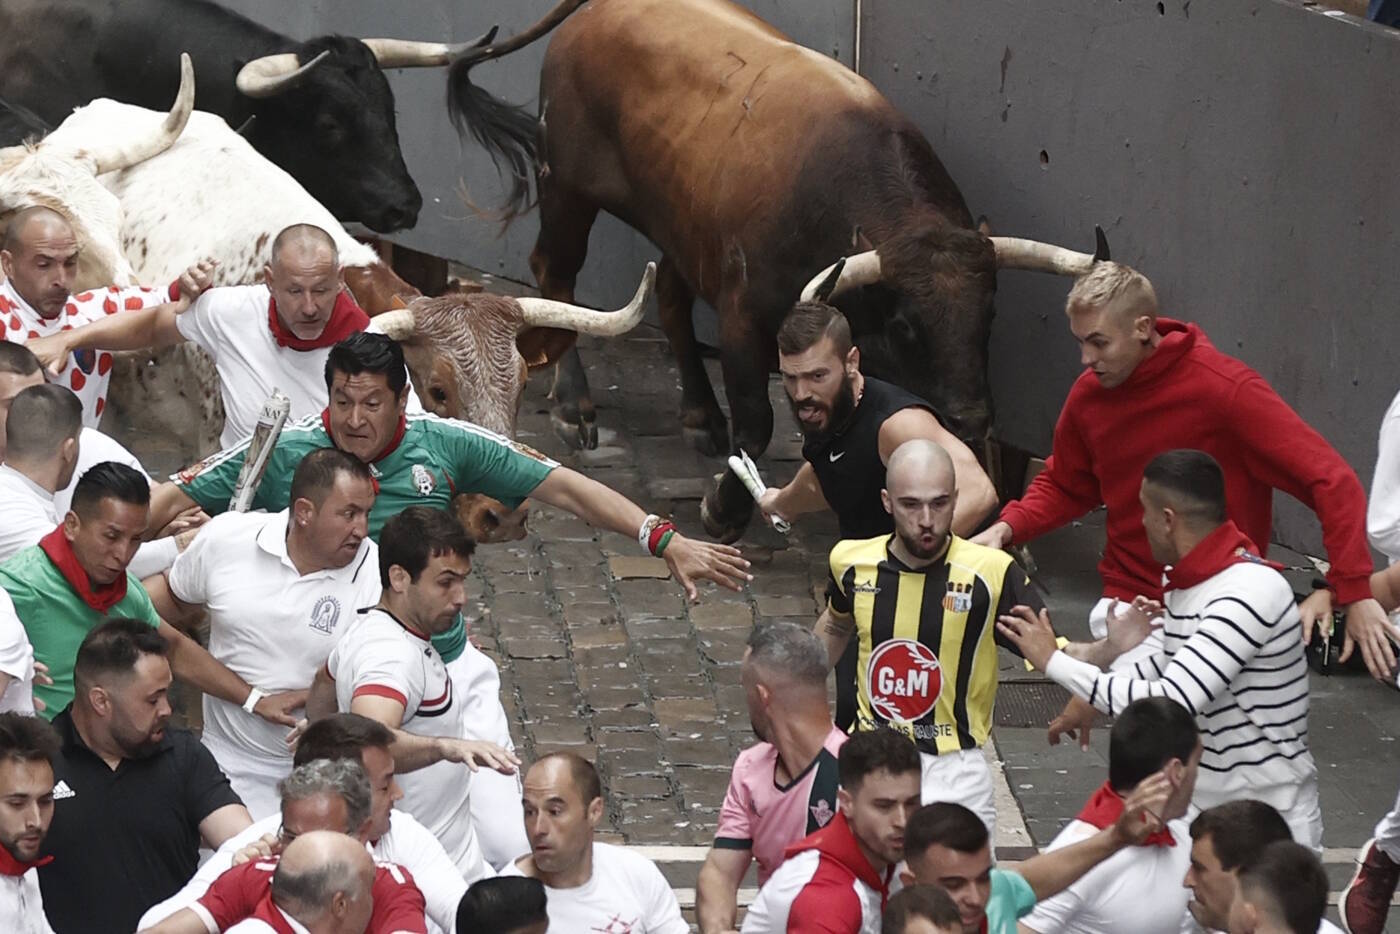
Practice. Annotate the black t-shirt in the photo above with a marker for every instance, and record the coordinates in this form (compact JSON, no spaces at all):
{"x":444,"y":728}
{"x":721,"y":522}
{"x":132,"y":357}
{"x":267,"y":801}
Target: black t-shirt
{"x":848,"y":464}
{"x":123,"y":839}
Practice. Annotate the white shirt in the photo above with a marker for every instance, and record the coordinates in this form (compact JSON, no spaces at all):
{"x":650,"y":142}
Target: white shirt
{"x":231,"y":325}
{"x":1383,"y":509}
{"x":16,"y":660}
{"x":408,"y":844}
{"x":21,"y":323}
{"x":94,"y":448}
{"x":1137,"y":889}
{"x":270,"y":624}
{"x":379,"y":656}
{"x":28,"y":511}
{"x":21,"y":904}
{"x":625,"y":893}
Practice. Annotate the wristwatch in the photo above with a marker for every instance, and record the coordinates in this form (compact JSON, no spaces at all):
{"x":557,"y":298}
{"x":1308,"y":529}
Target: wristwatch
{"x":253,"y":697}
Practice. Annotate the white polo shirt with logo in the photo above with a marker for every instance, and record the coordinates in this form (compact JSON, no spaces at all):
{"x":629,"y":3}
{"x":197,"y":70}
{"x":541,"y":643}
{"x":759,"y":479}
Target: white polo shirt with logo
{"x":379,"y":656}
{"x":272,"y":626}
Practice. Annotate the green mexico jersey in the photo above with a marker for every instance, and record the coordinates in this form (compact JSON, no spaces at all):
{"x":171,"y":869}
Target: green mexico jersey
{"x":57,"y":620}
{"x":434,"y":460}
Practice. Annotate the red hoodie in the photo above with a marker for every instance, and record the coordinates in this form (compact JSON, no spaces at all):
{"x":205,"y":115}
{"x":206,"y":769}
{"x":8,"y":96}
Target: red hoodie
{"x":824,"y":886}
{"x":1187,"y":394}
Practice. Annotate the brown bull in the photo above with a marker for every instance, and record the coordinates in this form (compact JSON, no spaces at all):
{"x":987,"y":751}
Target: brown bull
{"x":463,"y":357}
{"x":753,"y":163}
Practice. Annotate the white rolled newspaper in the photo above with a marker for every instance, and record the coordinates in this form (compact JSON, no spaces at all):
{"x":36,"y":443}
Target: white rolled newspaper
{"x":269,"y":428}
{"x":747,"y":471}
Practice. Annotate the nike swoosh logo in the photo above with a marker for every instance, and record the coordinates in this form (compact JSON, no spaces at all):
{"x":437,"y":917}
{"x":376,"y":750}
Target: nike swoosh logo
{"x":834,"y":457}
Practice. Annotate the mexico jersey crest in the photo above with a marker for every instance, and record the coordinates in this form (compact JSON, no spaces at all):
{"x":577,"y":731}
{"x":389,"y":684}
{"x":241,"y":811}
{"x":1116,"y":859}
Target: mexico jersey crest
{"x":423,"y":480}
{"x":903,"y":680}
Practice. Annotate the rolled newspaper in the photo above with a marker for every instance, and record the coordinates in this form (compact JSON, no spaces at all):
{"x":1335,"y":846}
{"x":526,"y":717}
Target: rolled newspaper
{"x":747,"y":471}
{"x":260,"y":446}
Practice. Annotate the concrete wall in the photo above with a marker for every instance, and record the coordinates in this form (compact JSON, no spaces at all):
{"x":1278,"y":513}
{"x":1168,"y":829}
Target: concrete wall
{"x":1240,"y":154}
{"x":1236,"y":152}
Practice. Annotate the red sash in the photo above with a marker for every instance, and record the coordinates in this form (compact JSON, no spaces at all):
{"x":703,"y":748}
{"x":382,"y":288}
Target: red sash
{"x":1103,"y":809}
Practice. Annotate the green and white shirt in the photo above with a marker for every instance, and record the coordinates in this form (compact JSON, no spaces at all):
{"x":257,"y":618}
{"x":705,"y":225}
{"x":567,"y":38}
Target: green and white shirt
{"x":433,"y":460}
{"x":57,"y":620}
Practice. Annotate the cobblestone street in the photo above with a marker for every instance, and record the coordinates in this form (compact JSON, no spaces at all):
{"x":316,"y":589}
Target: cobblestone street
{"x":600,"y":654}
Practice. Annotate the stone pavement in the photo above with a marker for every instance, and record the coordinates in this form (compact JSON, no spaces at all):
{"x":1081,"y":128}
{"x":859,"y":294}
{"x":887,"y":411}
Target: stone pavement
{"x":600,"y":654}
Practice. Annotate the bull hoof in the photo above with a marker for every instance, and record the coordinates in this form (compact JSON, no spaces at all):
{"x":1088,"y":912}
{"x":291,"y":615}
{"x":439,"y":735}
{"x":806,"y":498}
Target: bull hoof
{"x":705,"y":442}
{"x":720,"y":529}
{"x":706,"y":432}
{"x":578,"y":435}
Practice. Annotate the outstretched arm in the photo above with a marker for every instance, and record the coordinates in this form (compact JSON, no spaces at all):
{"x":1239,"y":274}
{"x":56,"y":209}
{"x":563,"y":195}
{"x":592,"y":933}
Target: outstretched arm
{"x":604,"y":507}
{"x":803,"y":494}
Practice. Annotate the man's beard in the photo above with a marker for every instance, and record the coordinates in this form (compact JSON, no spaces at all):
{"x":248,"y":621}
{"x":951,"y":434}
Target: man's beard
{"x":837,"y":414}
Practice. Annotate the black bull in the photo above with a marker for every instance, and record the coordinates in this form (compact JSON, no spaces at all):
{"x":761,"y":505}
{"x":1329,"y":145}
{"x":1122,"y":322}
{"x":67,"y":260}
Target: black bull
{"x":752,"y":163}
{"x":331,"y":126}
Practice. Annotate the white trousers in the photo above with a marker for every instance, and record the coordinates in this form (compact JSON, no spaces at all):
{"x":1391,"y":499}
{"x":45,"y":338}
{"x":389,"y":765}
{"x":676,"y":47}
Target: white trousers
{"x":962,"y":777}
{"x":498,"y":813}
{"x":1387,"y":832}
{"x":254,"y":777}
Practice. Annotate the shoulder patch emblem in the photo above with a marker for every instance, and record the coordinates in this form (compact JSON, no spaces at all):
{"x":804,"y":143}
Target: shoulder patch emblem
{"x":822,"y":813}
{"x":527,"y":451}
{"x":193,"y":470}
{"x":423,"y":480}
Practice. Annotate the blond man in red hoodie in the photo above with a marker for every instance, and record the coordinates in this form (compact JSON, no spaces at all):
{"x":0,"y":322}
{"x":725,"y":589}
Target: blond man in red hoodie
{"x":1152,"y":384}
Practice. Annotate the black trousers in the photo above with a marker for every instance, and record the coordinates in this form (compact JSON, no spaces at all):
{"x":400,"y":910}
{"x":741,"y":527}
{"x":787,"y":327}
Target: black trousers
{"x":846,"y":686}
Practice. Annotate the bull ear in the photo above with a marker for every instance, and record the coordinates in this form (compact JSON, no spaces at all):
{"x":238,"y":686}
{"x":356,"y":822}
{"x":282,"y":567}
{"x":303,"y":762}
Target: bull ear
{"x":543,"y":346}
{"x":1101,"y":254}
{"x":823,"y":291}
{"x":984,"y":226}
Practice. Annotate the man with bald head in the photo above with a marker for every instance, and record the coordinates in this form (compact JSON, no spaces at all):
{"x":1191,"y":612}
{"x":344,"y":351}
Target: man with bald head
{"x":922,"y":604}
{"x":40,"y":263}
{"x":591,"y":886}
{"x":262,"y":337}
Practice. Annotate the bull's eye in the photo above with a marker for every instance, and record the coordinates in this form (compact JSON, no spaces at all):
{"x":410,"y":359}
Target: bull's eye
{"x":438,"y":395}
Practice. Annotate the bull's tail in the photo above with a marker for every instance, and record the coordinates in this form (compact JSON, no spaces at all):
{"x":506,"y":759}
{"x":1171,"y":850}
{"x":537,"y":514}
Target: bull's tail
{"x":507,"y":132}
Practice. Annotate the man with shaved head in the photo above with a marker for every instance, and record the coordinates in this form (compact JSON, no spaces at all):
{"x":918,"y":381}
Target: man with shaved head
{"x":40,"y":263}
{"x":591,"y":886}
{"x":262,"y":337}
{"x":1151,"y":385}
{"x":922,"y":604}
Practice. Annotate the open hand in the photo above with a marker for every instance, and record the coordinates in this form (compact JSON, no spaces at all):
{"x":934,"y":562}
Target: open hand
{"x":1031,"y":633}
{"x":1130,"y":623}
{"x":474,"y":753}
{"x":691,"y":560}
{"x":1369,"y":627}
{"x":52,"y":352}
{"x":1142,"y":809}
{"x":1075,"y":721}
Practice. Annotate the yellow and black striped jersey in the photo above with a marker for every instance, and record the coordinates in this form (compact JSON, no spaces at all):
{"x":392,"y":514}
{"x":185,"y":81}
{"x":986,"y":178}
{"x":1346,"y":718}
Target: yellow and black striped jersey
{"x":927,"y":637}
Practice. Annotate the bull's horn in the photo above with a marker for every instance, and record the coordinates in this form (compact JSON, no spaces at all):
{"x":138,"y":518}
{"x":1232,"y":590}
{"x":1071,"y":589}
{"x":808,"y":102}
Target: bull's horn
{"x":272,"y":74}
{"x":543,"y":313}
{"x":114,"y":158}
{"x":1015,"y":253}
{"x":861,"y":269}
{"x":397,"y":325}
{"x":406,"y":53}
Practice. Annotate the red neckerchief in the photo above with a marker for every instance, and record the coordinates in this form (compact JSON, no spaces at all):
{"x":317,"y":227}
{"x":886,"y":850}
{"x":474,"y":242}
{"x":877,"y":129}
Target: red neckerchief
{"x":389,"y":449}
{"x":9,"y":866}
{"x":1105,"y":806}
{"x":1225,"y":546}
{"x":346,"y":318}
{"x":60,"y":552}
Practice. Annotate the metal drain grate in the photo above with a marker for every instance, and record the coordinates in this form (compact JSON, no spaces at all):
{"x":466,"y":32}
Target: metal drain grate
{"x":1030,"y":703}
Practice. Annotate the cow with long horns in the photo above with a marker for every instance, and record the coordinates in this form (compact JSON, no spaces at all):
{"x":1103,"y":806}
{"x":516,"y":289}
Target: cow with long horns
{"x":753,"y":163}
{"x":321,"y":109}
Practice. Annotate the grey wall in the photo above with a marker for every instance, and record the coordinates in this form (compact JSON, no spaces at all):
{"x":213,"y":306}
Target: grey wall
{"x":1239,"y":153}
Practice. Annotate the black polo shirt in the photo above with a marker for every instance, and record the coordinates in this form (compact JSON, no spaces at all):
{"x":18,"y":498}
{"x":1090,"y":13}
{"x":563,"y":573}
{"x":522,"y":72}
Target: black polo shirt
{"x":123,"y":839}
